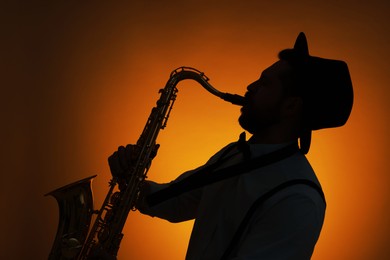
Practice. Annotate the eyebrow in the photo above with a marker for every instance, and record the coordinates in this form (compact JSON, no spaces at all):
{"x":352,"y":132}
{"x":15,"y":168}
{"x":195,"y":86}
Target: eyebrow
{"x":264,"y":77}
{"x":264,"y":74}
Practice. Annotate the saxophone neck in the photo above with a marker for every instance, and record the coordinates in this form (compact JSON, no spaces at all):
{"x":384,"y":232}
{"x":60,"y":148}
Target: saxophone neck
{"x":182,"y":73}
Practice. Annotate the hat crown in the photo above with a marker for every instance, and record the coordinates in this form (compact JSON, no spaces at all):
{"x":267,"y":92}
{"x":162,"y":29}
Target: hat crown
{"x":300,"y":45}
{"x":326,"y":87}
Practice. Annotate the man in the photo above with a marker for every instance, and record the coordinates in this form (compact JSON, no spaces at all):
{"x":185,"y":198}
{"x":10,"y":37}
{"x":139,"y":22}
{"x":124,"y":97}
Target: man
{"x":273,"y":209}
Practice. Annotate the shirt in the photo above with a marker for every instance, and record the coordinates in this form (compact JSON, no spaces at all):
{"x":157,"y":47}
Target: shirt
{"x":286,"y":226}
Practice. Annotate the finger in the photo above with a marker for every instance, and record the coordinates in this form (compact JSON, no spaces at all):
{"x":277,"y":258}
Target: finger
{"x":131,"y":153}
{"x":115,"y":167}
{"x":122,"y":158}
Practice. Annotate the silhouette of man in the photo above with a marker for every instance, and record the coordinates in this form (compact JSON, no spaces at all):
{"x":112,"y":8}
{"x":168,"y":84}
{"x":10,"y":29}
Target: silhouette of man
{"x":297,"y":94}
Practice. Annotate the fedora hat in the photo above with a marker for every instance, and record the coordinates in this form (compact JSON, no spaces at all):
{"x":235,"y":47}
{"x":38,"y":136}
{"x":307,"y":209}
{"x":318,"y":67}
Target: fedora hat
{"x":325,"y":87}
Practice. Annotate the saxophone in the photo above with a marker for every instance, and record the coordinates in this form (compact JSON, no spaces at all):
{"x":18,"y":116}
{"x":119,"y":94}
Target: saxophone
{"x":75,"y":239}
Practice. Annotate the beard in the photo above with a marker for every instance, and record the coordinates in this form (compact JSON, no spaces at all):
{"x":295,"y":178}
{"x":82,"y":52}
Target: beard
{"x":257,"y":122}
{"x":247,"y":124}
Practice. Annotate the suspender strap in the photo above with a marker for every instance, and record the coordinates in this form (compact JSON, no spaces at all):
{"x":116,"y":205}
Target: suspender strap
{"x":205,"y":176}
{"x":245,"y":222}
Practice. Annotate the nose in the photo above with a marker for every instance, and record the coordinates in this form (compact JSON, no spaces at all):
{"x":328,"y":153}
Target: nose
{"x":252,"y":87}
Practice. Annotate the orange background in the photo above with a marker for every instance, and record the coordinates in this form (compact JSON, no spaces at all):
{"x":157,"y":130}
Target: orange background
{"x":80,"y":79}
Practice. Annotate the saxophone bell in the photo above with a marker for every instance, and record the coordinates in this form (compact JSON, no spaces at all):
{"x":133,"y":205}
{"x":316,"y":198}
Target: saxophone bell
{"x":75,"y":202}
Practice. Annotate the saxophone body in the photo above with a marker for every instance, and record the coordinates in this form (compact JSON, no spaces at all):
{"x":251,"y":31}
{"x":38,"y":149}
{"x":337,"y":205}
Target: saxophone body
{"x":75,"y":238}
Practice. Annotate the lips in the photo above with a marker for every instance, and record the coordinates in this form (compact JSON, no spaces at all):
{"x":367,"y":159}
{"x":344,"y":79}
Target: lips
{"x":245,"y":107}
{"x":247,"y":98}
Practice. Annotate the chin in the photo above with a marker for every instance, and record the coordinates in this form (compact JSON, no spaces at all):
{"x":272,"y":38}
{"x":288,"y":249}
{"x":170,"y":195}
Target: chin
{"x":246,"y":124}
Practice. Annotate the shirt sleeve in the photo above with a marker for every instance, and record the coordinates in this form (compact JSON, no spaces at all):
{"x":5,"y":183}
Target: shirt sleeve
{"x":288,"y":230}
{"x":183,"y":207}
{"x":178,"y":209}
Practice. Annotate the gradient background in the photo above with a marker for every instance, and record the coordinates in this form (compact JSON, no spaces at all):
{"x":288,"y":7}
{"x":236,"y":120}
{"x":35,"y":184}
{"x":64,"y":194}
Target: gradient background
{"x":79,"y":78}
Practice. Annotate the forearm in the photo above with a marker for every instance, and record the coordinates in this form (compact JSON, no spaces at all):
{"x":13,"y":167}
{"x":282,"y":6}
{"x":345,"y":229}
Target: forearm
{"x":177,"y":209}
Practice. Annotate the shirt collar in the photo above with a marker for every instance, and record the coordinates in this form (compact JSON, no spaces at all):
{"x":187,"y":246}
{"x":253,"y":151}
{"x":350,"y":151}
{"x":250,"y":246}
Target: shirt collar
{"x":251,"y":150}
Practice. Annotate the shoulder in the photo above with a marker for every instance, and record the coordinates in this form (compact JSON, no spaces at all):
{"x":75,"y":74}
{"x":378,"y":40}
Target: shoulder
{"x":301,"y":202}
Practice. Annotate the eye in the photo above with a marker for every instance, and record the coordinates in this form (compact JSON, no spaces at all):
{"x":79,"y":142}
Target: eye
{"x":263,"y":81}
{"x":253,"y":86}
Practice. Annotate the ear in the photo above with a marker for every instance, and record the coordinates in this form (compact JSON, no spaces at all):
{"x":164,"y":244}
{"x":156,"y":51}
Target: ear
{"x":292,"y":106}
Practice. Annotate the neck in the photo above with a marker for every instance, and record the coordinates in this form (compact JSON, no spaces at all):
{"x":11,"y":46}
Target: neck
{"x":274,"y":135}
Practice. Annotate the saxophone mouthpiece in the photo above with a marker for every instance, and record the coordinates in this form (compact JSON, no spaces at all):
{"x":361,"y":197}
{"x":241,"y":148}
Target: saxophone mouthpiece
{"x":234,"y":99}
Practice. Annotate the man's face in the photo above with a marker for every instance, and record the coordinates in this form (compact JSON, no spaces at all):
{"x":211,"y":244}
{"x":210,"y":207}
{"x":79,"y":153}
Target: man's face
{"x":264,"y":99}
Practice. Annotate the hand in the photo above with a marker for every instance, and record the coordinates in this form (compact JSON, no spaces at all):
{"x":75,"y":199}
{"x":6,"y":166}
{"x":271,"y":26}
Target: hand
{"x":123,"y":160}
{"x":145,"y":190}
